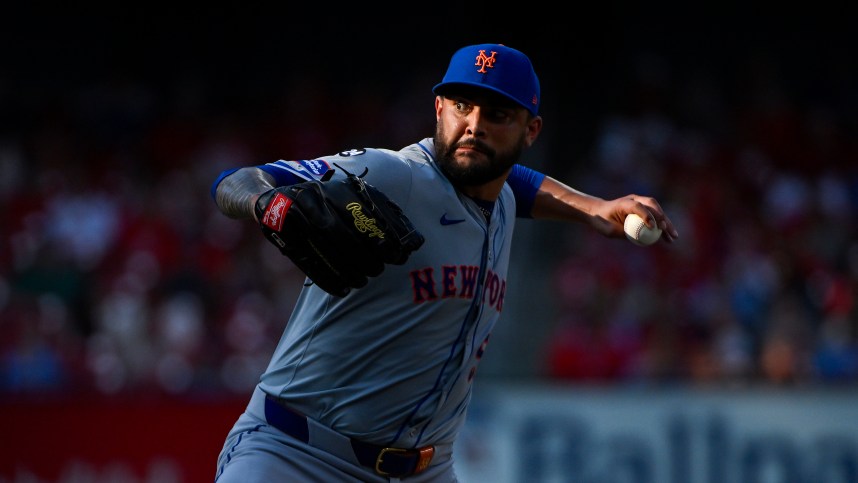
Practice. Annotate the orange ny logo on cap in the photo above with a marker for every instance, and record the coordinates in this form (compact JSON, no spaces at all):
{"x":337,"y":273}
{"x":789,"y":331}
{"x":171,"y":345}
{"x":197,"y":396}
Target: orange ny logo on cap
{"x":484,"y":61}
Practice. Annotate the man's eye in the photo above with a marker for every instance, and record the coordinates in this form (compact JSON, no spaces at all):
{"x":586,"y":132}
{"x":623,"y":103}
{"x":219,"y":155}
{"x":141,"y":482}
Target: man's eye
{"x":500,"y":114}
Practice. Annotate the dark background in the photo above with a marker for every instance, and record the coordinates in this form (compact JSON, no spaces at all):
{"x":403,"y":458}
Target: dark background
{"x":593,"y":61}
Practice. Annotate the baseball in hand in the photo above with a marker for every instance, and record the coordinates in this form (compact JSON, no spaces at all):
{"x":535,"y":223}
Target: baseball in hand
{"x":638,"y":233}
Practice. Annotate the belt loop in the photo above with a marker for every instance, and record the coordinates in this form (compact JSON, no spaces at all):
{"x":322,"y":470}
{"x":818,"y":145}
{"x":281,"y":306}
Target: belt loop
{"x":286,"y":420}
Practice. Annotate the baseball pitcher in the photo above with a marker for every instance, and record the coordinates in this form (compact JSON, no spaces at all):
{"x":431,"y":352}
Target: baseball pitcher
{"x":406,"y":253}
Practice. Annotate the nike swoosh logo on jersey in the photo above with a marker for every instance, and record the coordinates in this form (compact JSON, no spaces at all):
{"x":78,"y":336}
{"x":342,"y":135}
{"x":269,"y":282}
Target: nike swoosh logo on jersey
{"x":447,"y":221}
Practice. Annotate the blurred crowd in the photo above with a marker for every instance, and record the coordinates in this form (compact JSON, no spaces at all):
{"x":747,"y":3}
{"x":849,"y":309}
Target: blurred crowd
{"x":763,"y":187}
{"x":118,"y":274}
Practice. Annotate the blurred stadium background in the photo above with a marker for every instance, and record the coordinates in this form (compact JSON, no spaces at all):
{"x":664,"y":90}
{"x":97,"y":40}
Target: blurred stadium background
{"x":134,"y":318}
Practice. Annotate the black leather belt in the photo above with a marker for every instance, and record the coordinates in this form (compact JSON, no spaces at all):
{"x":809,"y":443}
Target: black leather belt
{"x":385,"y":461}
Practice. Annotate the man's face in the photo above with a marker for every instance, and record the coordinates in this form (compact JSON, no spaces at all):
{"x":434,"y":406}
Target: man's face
{"x":479,"y":136}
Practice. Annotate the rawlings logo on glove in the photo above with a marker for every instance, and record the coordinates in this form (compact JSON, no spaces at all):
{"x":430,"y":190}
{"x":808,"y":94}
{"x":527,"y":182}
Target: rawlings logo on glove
{"x":274,"y":213}
{"x":362,"y":223}
{"x":339,"y":232}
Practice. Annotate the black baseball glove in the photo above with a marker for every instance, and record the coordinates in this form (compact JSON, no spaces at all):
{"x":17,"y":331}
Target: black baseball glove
{"x":339,"y":232}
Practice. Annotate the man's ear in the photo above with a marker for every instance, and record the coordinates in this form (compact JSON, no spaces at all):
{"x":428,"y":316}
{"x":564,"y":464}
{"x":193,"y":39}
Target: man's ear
{"x":534,"y":127}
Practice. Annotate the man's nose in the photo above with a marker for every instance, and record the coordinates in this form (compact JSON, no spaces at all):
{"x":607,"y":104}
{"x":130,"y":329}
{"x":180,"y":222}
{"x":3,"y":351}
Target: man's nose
{"x":475,"y":122}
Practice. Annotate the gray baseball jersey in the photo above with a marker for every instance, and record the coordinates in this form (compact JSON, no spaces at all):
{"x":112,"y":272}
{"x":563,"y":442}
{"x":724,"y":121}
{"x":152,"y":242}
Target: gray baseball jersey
{"x":393,"y":363}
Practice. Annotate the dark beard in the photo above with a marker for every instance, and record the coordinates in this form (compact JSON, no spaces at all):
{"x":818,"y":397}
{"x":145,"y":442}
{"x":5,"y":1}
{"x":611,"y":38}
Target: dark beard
{"x":476,"y":173}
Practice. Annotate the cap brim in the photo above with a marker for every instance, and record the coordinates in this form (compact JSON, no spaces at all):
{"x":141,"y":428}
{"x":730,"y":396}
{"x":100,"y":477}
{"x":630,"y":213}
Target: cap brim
{"x":445,"y":87}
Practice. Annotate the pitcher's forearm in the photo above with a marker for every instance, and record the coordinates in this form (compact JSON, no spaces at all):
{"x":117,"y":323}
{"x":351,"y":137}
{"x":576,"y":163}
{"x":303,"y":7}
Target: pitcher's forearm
{"x":237,"y":193}
{"x":557,"y":201}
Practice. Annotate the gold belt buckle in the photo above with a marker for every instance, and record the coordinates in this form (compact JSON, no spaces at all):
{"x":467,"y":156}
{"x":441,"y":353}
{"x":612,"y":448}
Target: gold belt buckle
{"x":381,"y":457}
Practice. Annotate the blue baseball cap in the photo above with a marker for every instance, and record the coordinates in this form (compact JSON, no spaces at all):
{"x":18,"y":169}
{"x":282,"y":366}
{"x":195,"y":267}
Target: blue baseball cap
{"x":495,"y":67}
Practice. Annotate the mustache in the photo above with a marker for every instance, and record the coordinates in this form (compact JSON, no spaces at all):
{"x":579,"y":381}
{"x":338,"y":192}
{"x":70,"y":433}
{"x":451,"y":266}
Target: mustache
{"x":474,"y":144}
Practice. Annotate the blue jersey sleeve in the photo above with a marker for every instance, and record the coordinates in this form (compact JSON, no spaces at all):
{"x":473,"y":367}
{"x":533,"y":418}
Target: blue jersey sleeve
{"x":525,"y":182}
{"x":285,"y":173}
